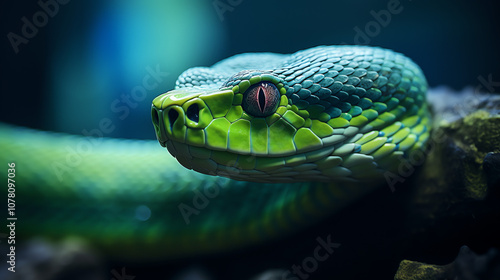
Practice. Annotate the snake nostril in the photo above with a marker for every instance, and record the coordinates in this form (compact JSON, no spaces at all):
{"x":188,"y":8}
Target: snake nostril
{"x":193,"y":113}
{"x":154,"y":116}
{"x":172,"y":117}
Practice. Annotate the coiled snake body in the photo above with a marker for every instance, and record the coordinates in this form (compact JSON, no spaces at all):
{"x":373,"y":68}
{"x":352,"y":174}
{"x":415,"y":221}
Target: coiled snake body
{"x":301,"y":134}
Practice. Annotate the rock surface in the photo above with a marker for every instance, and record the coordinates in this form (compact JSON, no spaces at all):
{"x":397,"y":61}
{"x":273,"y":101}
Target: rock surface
{"x":463,"y":154}
{"x":458,"y":186}
{"x":44,"y":260}
{"x":467,"y":266}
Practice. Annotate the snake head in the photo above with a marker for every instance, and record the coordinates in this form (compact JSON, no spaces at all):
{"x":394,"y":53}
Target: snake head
{"x":236,"y":130}
{"x":312,"y":117}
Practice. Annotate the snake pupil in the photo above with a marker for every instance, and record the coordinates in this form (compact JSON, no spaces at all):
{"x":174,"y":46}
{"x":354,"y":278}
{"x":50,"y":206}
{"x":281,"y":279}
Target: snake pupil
{"x":261,"y":99}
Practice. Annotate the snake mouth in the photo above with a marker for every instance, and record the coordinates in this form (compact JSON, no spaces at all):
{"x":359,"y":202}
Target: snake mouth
{"x":295,"y":168}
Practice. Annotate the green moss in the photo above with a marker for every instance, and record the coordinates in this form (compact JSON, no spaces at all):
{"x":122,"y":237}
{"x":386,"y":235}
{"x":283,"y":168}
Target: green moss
{"x":410,"y":270}
{"x":477,"y":134}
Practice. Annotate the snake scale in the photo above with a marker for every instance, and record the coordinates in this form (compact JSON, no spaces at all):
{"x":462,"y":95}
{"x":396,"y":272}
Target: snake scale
{"x":291,"y":138}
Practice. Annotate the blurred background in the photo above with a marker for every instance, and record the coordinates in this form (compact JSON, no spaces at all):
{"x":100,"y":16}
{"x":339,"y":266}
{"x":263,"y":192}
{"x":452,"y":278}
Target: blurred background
{"x":69,"y":65}
{"x":66,"y":65}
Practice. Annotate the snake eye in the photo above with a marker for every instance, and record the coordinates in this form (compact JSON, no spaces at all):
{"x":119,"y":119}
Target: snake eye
{"x":261,"y":99}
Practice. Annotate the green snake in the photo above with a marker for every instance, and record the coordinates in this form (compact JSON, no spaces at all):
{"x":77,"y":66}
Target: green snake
{"x":289,"y":138}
